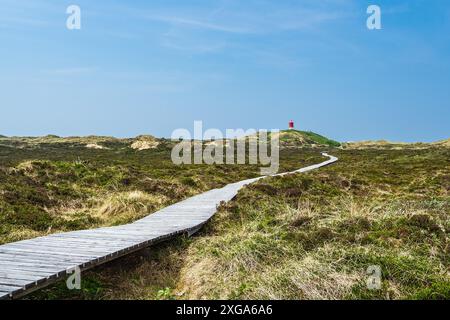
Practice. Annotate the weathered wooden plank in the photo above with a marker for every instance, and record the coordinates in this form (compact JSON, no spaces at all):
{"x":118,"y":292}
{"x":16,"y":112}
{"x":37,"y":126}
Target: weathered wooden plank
{"x":10,"y":273}
{"x":33,"y":249}
{"x":16,"y":282}
{"x":54,"y":261}
{"x":44,"y":257}
{"x":77,"y":242}
{"x":14,"y":263}
{"x":74,"y":247}
{"x":31,"y":269}
{"x":109,"y":235}
{"x":9,"y":289}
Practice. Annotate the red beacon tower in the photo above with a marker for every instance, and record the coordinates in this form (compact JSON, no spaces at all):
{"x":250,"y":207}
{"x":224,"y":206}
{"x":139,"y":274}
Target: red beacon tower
{"x":291,"y":125}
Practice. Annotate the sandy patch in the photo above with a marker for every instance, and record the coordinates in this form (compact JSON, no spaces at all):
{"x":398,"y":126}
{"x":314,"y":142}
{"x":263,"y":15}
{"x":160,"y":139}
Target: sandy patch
{"x":95,"y":146}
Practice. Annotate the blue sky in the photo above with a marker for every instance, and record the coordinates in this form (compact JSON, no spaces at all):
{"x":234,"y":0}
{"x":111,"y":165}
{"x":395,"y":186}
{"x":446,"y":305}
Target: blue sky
{"x":153,"y":66}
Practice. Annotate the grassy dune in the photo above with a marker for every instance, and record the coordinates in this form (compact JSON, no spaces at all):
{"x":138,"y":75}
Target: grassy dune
{"x":306,"y":236}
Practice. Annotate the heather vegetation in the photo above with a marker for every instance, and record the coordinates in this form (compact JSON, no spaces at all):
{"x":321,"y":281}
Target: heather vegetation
{"x":52,"y":184}
{"x":306,"y":236}
{"x":302,"y":236}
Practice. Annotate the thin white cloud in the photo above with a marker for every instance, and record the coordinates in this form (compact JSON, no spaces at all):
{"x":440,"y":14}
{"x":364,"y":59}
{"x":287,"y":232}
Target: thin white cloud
{"x":257,"y":17}
{"x":197,"y":48}
{"x":187,"y":22}
{"x":23,"y":21}
{"x":34,"y":13}
{"x":71,"y":71}
{"x":165,"y":88}
{"x":213,"y":30}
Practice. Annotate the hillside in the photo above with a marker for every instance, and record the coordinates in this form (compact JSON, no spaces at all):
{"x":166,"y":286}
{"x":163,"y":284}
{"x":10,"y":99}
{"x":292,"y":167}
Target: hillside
{"x":389,"y":145}
{"x":96,"y":142}
{"x":443,"y":143}
{"x":301,"y":139}
{"x":288,"y":139}
{"x":296,"y":138}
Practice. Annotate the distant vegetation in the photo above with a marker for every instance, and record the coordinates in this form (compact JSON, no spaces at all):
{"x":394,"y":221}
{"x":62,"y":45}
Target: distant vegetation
{"x":52,"y":184}
{"x":303,"y":236}
{"x":302,"y":139}
{"x":305,"y":138}
{"x":387,"y":145}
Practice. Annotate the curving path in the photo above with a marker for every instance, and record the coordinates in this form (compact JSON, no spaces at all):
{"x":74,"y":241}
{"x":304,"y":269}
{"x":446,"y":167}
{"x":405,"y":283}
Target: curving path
{"x":28,"y":265}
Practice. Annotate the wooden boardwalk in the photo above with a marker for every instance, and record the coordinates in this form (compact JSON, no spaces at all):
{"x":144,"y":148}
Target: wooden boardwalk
{"x":28,"y":265}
